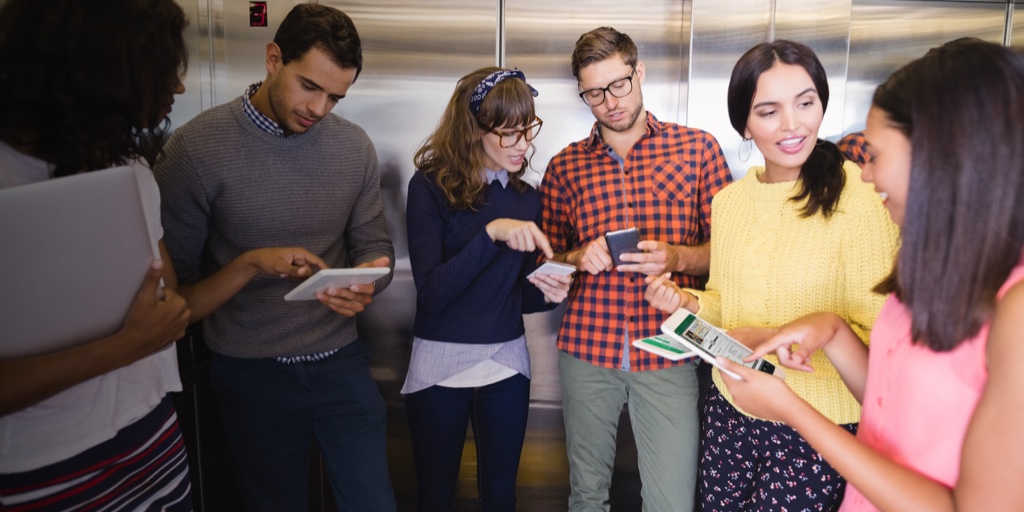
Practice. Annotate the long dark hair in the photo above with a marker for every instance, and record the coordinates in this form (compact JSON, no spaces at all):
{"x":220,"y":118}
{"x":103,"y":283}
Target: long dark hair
{"x":453,"y":153}
{"x":961,"y":107}
{"x":83,"y":84}
{"x":821,"y":177}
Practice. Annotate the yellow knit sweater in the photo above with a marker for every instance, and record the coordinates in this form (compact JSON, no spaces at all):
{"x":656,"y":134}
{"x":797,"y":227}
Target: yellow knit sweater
{"x":770,"y":266}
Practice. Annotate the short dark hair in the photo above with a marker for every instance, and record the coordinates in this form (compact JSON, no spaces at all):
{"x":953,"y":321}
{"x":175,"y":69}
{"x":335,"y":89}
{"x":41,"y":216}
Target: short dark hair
{"x":961,"y":107}
{"x":83,"y":84}
{"x":600,"y":44}
{"x":322,"y":27}
{"x":821,"y":177}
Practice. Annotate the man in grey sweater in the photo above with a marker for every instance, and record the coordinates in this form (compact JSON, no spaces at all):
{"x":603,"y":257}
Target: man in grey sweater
{"x":257,"y":191}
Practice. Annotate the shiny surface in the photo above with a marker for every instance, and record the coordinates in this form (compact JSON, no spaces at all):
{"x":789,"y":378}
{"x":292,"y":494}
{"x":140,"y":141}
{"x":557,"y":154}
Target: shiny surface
{"x":885,"y":35}
{"x":415,"y":51}
{"x":1017,"y":30}
{"x":718,"y":42}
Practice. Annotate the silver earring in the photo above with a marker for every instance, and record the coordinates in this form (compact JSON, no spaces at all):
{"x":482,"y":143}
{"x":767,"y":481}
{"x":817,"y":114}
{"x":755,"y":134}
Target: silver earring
{"x":747,"y":145}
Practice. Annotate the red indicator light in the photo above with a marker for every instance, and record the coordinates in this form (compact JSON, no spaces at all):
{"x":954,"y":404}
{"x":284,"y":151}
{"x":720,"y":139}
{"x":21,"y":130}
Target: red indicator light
{"x":257,"y":14}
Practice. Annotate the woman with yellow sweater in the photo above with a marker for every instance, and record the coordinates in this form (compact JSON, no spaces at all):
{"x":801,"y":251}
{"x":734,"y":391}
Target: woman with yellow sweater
{"x":799,"y":235}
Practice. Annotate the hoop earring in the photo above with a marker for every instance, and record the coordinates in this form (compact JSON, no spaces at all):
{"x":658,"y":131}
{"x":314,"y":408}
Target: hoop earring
{"x":748,"y":145}
{"x":820,"y":142}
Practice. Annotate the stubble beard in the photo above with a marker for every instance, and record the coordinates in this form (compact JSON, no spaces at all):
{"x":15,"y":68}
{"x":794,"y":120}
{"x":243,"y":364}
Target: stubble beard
{"x":629,"y":122}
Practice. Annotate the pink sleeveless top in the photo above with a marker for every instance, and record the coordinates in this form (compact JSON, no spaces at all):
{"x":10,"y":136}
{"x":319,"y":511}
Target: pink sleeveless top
{"x":918,"y":403}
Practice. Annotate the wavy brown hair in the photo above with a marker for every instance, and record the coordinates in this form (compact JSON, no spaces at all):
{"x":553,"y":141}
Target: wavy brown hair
{"x":83,"y":84}
{"x":453,"y":154}
{"x":961,"y":107}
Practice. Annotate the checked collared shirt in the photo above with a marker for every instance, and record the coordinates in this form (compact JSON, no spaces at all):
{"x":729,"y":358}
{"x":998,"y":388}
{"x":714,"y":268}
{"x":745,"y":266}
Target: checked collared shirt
{"x":664,"y":187}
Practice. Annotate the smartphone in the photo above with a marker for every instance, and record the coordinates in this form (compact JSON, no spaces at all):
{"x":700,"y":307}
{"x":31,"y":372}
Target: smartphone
{"x":554,"y":267}
{"x":621,"y":242}
{"x":708,"y":342}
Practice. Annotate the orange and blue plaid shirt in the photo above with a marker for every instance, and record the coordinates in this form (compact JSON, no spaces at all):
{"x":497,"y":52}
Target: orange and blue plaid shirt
{"x":664,"y":187}
{"x":853,"y":146}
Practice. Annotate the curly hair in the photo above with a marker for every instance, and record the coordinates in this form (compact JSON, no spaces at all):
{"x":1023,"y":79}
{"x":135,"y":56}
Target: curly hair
{"x":83,"y":85}
{"x":453,"y":154}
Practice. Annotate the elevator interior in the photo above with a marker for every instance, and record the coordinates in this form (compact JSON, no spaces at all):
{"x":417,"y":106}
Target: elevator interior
{"x":415,"y":51}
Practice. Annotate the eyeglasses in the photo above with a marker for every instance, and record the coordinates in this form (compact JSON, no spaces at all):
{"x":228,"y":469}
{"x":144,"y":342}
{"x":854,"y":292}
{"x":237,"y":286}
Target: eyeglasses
{"x":509,"y":138}
{"x":619,"y":89}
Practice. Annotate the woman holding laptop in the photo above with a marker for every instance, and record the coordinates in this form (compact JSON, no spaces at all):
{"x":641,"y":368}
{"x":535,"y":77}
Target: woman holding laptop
{"x":87,"y":88}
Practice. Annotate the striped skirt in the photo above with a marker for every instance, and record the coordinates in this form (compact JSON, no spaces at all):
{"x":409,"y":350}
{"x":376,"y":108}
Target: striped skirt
{"x":144,"y":467}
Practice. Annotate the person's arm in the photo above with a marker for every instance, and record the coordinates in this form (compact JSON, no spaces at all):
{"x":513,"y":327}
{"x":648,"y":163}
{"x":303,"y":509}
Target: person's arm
{"x":794,"y":343}
{"x":205,"y":296}
{"x":888,"y":485}
{"x":150,"y":325}
{"x":660,"y":257}
{"x":440,"y":281}
{"x":992,"y":464}
{"x":992,"y":460}
{"x":664,"y":295}
{"x":186,"y":218}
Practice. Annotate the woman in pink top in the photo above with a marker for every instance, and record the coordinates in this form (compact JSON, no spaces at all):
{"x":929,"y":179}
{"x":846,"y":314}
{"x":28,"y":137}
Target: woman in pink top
{"x":941,"y":386}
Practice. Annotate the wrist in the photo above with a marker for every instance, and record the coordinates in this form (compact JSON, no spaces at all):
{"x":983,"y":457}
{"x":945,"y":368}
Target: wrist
{"x":246,"y":265}
{"x":688,"y":301}
{"x":490,"y":229}
{"x":676,"y":261}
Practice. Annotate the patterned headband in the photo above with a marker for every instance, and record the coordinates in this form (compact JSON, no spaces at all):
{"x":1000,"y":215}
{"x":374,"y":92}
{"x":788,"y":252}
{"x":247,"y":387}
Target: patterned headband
{"x":492,"y":80}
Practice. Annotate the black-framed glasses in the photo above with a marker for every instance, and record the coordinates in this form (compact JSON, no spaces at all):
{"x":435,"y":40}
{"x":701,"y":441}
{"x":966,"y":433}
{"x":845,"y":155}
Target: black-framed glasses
{"x":619,"y":89}
{"x":509,"y":138}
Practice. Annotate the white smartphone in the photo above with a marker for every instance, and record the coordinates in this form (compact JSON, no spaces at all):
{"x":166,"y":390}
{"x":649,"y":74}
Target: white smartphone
{"x":554,"y":267}
{"x":708,"y":342}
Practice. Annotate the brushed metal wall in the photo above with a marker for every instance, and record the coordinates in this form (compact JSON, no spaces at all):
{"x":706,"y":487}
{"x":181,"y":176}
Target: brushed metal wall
{"x":414,"y":52}
{"x":884,"y":35}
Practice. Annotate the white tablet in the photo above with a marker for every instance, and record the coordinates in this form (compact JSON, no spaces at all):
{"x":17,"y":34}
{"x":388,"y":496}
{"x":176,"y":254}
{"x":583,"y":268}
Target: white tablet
{"x":335,"y":278}
{"x":554,"y":267}
{"x":708,"y":342}
{"x":664,"y":346}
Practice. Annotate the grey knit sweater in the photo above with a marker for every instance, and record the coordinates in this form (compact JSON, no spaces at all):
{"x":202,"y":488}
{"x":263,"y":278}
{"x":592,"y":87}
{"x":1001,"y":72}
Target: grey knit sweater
{"x":228,"y":187}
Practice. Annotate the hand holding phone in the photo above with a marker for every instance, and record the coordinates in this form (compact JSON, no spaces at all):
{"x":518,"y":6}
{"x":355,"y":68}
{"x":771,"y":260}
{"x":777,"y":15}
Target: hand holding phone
{"x":709,"y":342}
{"x":621,"y":242}
{"x":554,"y":267}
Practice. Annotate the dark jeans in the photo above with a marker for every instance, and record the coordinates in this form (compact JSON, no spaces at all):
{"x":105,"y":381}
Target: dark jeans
{"x":437,"y":424}
{"x":271,"y":411}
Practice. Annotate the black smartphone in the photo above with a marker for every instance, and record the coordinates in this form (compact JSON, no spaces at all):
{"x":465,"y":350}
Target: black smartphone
{"x":621,"y":242}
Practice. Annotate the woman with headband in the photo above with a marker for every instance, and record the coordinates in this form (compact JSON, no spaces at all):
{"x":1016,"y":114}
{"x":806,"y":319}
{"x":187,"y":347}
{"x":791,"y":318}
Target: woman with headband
{"x":472,"y":242}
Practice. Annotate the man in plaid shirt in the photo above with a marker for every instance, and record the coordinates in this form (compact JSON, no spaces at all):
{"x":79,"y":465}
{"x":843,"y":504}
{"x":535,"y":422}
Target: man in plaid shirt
{"x":631,"y":171}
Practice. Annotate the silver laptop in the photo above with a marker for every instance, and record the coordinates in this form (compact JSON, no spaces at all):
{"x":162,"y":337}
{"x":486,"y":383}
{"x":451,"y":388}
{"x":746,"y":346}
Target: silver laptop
{"x":73,"y":255}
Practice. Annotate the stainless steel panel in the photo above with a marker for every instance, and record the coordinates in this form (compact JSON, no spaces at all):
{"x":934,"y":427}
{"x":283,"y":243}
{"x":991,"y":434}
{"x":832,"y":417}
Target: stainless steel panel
{"x":885,"y":35}
{"x":722,"y":31}
{"x":1017,"y":24}
{"x":197,"y":81}
{"x":413,"y":54}
{"x":824,"y":25}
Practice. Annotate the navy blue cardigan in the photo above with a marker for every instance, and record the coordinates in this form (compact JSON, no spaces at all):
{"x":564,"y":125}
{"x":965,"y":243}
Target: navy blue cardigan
{"x":469,"y":289}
